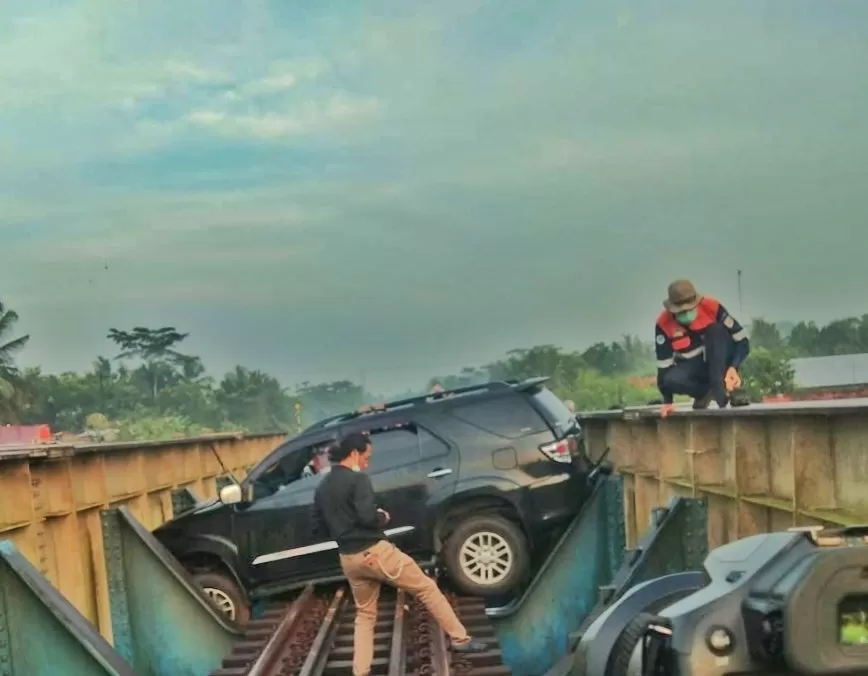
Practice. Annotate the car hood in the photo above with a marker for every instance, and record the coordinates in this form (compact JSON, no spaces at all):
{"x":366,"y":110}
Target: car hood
{"x":200,"y":508}
{"x":203,"y":507}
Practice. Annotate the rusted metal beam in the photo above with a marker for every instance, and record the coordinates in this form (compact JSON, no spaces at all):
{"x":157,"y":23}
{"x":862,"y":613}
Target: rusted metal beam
{"x":761,"y":467}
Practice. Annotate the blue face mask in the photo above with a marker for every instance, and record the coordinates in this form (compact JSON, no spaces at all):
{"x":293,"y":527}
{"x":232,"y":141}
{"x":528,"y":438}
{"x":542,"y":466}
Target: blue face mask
{"x":684,"y":318}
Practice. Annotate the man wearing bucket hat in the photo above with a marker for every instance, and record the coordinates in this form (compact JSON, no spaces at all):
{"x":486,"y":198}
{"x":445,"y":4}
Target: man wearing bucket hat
{"x":700,"y":348}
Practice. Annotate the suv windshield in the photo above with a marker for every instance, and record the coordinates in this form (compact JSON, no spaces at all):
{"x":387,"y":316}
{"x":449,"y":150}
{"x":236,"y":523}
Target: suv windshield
{"x":553,"y":410}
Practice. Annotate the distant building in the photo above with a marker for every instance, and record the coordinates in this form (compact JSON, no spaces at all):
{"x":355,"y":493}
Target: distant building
{"x":837,"y":377}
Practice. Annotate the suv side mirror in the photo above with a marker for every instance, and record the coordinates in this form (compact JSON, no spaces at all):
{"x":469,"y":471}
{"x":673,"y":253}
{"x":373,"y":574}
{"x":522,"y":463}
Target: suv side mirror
{"x":231,"y":494}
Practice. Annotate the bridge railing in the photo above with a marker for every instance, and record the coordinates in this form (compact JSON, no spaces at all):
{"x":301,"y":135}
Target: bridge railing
{"x":51,"y":496}
{"x":761,"y":468}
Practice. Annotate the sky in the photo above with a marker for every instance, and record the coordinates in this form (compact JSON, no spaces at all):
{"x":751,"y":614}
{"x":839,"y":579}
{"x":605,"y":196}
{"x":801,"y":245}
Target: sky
{"x":390,"y":190}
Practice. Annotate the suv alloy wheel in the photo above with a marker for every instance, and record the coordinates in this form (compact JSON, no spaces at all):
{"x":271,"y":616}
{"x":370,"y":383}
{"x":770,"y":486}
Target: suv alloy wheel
{"x":487,"y":555}
{"x":224,"y":595}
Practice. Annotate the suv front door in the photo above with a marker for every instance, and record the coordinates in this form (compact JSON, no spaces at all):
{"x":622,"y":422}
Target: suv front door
{"x":277,"y":525}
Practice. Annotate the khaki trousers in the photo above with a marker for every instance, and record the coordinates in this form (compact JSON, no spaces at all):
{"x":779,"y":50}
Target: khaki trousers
{"x":384,"y":562}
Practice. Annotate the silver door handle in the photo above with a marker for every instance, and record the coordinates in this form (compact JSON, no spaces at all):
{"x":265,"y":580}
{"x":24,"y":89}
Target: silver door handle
{"x":437,"y":473}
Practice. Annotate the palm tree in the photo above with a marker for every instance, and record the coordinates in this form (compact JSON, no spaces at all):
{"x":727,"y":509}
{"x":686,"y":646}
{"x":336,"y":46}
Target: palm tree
{"x":11,"y":383}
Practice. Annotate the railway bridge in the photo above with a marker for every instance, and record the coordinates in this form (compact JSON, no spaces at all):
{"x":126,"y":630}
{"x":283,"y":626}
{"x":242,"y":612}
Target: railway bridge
{"x":84,"y":589}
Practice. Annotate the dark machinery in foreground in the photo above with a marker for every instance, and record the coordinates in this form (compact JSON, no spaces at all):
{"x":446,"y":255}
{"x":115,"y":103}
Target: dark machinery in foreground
{"x":793,"y":602}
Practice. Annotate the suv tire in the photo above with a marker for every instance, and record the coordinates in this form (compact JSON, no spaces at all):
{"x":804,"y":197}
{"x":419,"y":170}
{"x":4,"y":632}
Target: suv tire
{"x":489,"y":545}
{"x":224,"y":595}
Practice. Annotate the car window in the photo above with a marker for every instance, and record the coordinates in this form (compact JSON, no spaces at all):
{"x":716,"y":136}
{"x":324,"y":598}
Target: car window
{"x":267,"y":463}
{"x":294,"y":466}
{"x":511,"y":417}
{"x":430,"y":446}
{"x":393,"y":448}
{"x":554,"y":410}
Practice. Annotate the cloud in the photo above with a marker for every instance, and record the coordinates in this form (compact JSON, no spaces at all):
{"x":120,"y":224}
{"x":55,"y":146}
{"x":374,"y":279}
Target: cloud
{"x":129,"y":86}
{"x":272,"y":84}
{"x":302,"y":118}
{"x":425,"y":171}
{"x":182,"y":71}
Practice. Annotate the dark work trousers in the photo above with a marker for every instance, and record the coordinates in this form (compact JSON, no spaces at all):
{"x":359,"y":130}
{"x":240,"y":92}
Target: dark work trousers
{"x":697,"y":376}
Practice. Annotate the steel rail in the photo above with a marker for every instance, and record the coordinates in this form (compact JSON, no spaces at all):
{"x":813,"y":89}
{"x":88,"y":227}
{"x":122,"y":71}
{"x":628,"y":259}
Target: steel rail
{"x":266,"y":662}
{"x":320,"y":649}
{"x":398,"y":649}
{"x":440,"y":662}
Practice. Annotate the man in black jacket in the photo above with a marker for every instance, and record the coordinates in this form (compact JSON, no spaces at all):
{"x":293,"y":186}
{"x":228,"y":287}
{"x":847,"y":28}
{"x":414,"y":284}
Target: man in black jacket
{"x":345,"y":506}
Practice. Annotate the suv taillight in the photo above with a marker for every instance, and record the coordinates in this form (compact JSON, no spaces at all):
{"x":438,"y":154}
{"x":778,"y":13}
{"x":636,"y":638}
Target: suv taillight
{"x":561,"y":450}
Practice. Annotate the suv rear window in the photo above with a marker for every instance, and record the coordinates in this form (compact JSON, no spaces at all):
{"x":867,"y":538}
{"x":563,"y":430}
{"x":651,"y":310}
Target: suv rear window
{"x":553,"y":410}
{"x":509,"y":417}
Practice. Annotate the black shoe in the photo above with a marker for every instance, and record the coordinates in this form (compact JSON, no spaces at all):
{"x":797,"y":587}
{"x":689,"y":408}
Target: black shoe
{"x":469,"y":646}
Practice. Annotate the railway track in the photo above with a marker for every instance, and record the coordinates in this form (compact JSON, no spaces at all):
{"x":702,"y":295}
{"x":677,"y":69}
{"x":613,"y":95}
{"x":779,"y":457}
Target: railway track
{"x":313,"y":636}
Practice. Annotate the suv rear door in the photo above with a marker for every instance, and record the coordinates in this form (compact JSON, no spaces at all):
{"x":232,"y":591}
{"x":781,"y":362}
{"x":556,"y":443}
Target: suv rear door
{"x":411,"y":470}
{"x":567,"y":446}
{"x":518,"y":449}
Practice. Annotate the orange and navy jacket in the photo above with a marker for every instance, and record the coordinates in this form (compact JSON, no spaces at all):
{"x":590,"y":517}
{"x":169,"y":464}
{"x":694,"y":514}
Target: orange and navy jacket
{"x":674,"y":342}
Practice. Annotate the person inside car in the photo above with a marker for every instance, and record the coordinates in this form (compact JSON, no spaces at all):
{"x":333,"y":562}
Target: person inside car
{"x":317,"y":463}
{"x":345,"y":507}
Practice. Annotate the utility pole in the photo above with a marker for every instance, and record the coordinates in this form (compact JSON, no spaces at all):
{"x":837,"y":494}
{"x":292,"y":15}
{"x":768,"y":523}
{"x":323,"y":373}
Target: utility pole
{"x":740,"y":314}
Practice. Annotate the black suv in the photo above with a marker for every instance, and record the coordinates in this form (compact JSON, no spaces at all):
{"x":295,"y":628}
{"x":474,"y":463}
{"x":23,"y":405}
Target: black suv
{"x":474,"y":478}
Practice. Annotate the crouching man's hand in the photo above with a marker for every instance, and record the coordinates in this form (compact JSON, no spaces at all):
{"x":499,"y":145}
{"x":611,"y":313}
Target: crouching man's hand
{"x":731,"y":379}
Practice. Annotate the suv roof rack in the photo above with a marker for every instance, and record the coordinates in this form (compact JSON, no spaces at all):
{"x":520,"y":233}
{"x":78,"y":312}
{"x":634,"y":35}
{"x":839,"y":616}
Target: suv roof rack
{"x":430,"y":398}
{"x":528,"y":383}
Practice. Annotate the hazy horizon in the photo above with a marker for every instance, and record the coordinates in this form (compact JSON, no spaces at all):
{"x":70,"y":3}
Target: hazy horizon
{"x":390,"y":191}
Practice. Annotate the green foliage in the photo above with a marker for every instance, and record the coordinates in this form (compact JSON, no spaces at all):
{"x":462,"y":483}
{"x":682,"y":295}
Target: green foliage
{"x":13,"y":391}
{"x":767,"y":372}
{"x":97,"y":422}
{"x":842,"y":336}
{"x":325,"y":399}
{"x":155,"y":349}
{"x":256,"y":398}
{"x":765,"y":335}
{"x":162,"y":428}
{"x":151,"y":390}
{"x":593,"y":391}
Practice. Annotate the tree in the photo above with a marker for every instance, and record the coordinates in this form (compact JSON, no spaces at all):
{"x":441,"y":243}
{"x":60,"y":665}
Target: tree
{"x":155,"y":347}
{"x":805,"y":339}
{"x":256,"y":399}
{"x":843,"y":336}
{"x":327,"y":399}
{"x":640,"y":355}
{"x":192,"y":370}
{"x":548,"y":360}
{"x":12,"y":386}
{"x":594,"y":391}
{"x":630,"y":355}
{"x":166,"y":394}
{"x":765,"y":335}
